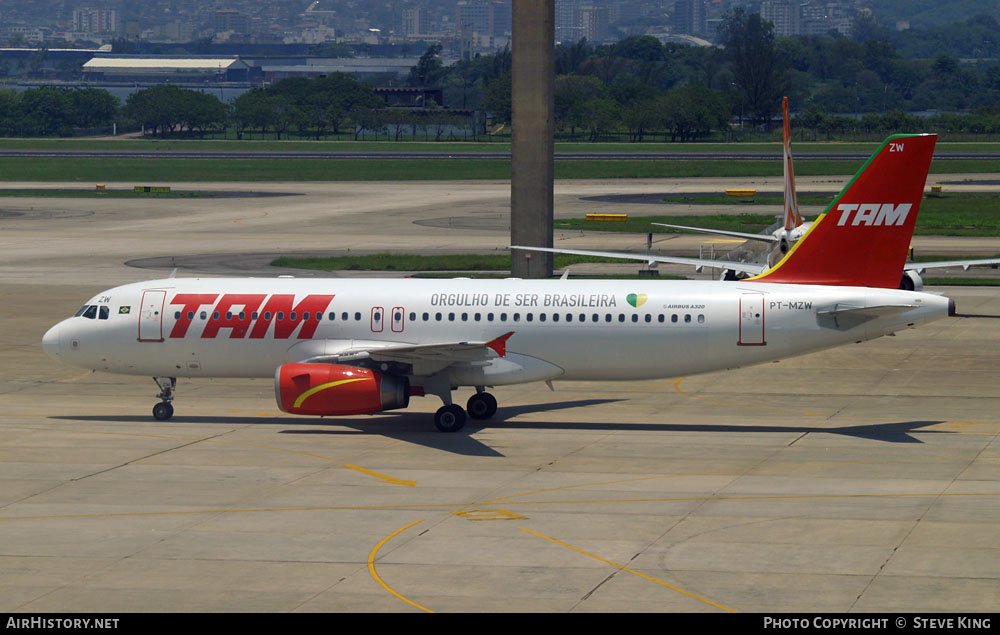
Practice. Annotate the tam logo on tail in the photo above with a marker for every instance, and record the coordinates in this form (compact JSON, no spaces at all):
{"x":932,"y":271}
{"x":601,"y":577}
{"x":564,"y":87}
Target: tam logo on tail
{"x":874,"y":214}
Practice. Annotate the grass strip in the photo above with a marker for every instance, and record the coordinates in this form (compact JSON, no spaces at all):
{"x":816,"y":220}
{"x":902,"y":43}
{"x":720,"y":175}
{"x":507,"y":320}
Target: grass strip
{"x":65,"y":193}
{"x":152,"y":144}
{"x":100,"y":170}
{"x":414,"y":262}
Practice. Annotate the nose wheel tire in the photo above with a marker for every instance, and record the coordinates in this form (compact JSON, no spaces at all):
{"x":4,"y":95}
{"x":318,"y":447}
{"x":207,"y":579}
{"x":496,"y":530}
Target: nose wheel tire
{"x":163,"y":411}
{"x":449,"y":418}
{"x":482,"y":405}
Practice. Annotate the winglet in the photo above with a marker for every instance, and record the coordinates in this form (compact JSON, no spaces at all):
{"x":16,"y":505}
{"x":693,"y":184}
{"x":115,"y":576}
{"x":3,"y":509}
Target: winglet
{"x":500,"y":344}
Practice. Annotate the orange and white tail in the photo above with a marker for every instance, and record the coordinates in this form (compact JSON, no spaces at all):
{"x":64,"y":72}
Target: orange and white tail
{"x":863,"y":236}
{"x":792,"y":216}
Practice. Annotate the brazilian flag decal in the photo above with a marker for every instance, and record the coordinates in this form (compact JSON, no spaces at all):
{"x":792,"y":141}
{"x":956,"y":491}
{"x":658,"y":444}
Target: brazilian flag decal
{"x":124,"y":310}
{"x":637,"y":299}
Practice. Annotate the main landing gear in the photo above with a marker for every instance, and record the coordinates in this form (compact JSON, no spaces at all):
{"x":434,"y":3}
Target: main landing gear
{"x":164,"y":410}
{"x":451,"y":418}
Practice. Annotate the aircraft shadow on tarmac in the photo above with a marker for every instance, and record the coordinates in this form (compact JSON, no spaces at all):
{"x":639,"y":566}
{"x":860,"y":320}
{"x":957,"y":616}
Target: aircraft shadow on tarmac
{"x":404,"y":426}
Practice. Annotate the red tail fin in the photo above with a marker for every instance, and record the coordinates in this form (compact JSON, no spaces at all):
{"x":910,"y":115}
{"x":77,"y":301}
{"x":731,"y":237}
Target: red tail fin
{"x":792,"y":217}
{"x":863,"y":236}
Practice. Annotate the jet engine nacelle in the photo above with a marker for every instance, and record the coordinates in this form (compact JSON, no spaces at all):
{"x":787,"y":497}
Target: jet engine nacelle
{"x":911,"y":281}
{"x":328,"y":389}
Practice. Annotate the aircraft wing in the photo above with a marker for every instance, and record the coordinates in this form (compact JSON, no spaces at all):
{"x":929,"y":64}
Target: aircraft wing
{"x":964,"y":264}
{"x":698,"y":263}
{"x":767,"y":238}
{"x":415,"y":359}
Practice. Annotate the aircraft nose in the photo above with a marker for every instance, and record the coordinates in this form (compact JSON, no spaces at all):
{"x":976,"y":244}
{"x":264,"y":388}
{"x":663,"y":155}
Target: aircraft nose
{"x":50,"y":341}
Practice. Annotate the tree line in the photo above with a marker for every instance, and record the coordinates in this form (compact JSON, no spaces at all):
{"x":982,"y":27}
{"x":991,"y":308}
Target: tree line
{"x":635,"y":89}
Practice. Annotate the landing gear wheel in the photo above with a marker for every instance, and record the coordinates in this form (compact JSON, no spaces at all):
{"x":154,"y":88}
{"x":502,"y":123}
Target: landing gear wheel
{"x":482,"y":405}
{"x":163,"y":411}
{"x":449,"y":418}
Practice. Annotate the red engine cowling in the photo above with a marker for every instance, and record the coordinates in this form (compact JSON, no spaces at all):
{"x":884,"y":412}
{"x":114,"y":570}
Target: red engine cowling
{"x":327,"y":389}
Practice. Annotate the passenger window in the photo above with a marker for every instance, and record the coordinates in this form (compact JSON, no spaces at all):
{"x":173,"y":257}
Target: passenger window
{"x":607,"y":317}
{"x":687,"y":318}
{"x":555,"y":317}
{"x":649,"y":318}
{"x":177,"y":315}
{"x":229,"y":315}
{"x":594,"y":318}
{"x":621,"y":317}
{"x":190,"y":315}
{"x":489,"y":317}
{"x":343,"y":316}
{"x":517,"y":317}
{"x":280,"y":316}
{"x":105,"y":312}
{"x":413,"y":316}
{"x":673,"y":318}
{"x":503,"y":317}
{"x":331,"y":317}
{"x":465,"y":317}
{"x":660,"y":318}
{"x":451,"y":317}
{"x":701,"y":318}
{"x":437,"y":316}
{"x":204,"y":315}
{"x":357,"y":316}
{"x":292,"y":316}
{"x":305,"y":316}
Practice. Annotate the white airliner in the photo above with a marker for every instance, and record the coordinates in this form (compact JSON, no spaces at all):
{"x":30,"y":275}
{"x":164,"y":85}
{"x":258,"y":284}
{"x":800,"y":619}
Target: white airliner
{"x":344,"y":347}
{"x":781,"y":240}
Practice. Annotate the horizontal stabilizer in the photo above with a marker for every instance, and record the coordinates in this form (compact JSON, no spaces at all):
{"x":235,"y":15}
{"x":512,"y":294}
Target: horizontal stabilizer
{"x":919,"y":267}
{"x":699,"y":263}
{"x":767,"y":238}
{"x":846,"y":316}
{"x":872,"y":311}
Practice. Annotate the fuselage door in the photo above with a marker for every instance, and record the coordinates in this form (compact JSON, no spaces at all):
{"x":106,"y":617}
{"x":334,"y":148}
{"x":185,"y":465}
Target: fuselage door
{"x":378,"y":317}
{"x":151,"y":316}
{"x":752,"y":320}
{"x":397,"y":319}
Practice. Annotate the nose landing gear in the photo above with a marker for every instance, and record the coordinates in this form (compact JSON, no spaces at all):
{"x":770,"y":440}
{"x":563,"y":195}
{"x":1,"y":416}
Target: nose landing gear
{"x":164,"y":410}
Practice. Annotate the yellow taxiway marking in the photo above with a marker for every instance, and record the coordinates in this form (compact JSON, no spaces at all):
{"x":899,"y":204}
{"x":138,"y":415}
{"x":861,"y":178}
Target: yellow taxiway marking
{"x":375,"y":575}
{"x":622,"y":567}
{"x":677,"y":387}
{"x":383,"y":477}
{"x":466,"y":504}
{"x":737,"y":470}
{"x":387,"y":479}
{"x":752,"y":406}
{"x":489,"y":514}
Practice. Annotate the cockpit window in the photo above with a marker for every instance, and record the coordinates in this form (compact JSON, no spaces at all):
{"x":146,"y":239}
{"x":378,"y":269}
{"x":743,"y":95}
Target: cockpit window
{"x":82,"y":309}
{"x":91,"y":312}
{"x":105,"y":312}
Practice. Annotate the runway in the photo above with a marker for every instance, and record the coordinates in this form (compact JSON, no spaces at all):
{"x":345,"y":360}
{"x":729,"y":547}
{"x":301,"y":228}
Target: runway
{"x":862,"y":479}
